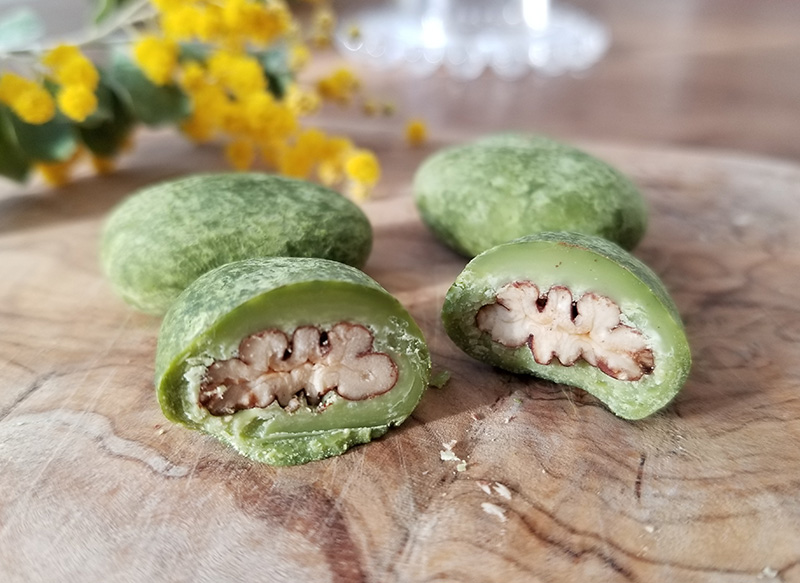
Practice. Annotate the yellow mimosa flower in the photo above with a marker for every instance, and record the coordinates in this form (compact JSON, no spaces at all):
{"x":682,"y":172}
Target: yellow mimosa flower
{"x":416,"y":132}
{"x":157,"y":58}
{"x":77,"y":102}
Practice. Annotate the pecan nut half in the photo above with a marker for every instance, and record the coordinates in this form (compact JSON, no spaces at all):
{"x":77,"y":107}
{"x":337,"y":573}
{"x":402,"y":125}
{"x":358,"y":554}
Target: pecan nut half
{"x":554,"y":325}
{"x":272,"y":367}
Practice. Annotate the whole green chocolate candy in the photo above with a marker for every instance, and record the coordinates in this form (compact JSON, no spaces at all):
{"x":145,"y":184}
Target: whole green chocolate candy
{"x":162,"y":238}
{"x":289,"y":360}
{"x":573,"y":309}
{"x":506,"y":186}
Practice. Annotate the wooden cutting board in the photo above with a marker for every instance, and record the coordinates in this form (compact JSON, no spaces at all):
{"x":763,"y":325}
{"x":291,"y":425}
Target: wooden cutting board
{"x":97,"y":486}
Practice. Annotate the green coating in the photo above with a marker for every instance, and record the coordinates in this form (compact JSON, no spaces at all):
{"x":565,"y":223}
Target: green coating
{"x":211,"y":317}
{"x":477,"y":196}
{"x":583,"y":264}
{"x":162,"y":238}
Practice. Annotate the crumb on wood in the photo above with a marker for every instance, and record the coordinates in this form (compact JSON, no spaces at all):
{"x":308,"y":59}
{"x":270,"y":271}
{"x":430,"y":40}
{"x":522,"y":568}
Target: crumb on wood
{"x":494,"y":510}
{"x":485,"y":486}
{"x":768,"y":573}
{"x":447,"y":455}
{"x":502,"y":490}
{"x":439,"y":379}
{"x":494,"y":488}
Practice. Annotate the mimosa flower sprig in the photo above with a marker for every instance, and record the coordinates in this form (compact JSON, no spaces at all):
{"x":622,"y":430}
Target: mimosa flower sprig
{"x":220,"y":70}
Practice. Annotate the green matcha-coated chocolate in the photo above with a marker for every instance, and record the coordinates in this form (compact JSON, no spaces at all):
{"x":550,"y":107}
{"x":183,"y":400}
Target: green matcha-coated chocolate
{"x":210,"y":318}
{"x":506,"y":186}
{"x":584,"y":265}
{"x":165,"y":236}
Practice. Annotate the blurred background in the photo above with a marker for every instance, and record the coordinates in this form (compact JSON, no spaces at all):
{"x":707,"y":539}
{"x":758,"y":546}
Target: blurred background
{"x":708,"y":73}
{"x":686,"y":72}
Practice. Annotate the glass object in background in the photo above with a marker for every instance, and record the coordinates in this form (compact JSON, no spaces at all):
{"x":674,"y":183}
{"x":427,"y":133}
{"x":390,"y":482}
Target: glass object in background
{"x":511,"y":37}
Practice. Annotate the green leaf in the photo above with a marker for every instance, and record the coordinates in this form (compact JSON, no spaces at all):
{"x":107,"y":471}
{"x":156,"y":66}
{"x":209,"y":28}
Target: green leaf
{"x":54,"y":141}
{"x":105,"y":103}
{"x":151,"y":103}
{"x":105,"y":138}
{"x":276,"y":67}
{"x":19,"y":28}
{"x":193,"y":51}
{"x":14,"y":164}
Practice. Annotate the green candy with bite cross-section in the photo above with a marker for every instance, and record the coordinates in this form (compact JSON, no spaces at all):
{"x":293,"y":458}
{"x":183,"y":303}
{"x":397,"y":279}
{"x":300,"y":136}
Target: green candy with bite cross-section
{"x":208,"y":322}
{"x":488,"y":315}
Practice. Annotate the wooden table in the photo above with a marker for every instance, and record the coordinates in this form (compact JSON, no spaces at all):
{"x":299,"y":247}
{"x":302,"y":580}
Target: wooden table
{"x":97,"y":486}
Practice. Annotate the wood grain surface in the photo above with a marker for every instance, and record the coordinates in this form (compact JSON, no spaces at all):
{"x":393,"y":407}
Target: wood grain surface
{"x":97,"y":486}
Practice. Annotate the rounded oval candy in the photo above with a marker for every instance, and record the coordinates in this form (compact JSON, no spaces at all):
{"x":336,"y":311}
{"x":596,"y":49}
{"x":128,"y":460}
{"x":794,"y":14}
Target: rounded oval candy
{"x":289,"y":360}
{"x":577,"y":310}
{"x":479,"y":195}
{"x":162,"y":238}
